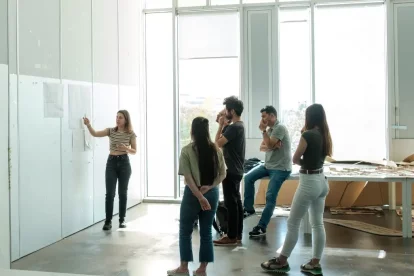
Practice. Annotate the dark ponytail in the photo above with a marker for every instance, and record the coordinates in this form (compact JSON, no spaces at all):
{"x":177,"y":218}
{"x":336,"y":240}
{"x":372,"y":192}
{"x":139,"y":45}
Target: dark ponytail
{"x":206,"y":150}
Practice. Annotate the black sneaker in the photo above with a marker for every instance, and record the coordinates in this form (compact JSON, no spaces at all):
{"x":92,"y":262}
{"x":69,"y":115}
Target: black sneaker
{"x":122,"y":224}
{"x":312,"y":269}
{"x":257,"y":232}
{"x":274,"y":265}
{"x":107,"y":226}
{"x":248,"y":213}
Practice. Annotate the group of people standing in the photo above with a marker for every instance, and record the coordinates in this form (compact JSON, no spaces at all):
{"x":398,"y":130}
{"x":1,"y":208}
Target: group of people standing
{"x":205,"y":164}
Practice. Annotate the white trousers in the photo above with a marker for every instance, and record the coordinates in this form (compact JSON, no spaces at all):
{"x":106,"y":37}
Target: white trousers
{"x":310,"y":195}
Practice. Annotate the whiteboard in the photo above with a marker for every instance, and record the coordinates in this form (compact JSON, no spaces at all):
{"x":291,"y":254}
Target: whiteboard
{"x":14,"y":162}
{"x":77,"y":177}
{"x":105,"y":107}
{"x":129,"y":100}
{"x":4,"y":169}
{"x":39,"y":169}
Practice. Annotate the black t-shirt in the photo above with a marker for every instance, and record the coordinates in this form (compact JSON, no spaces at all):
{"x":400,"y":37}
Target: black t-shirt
{"x":234,"y":149}
{"x":313,"y":157}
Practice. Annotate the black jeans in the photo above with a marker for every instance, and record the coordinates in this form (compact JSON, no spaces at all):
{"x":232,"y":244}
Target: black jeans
{"x":118,"y":168}
{"x":232,"y":200}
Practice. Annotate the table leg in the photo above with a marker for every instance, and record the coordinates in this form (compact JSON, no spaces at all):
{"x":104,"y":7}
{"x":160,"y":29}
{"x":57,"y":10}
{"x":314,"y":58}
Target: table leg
{"x":391,"y":196}
{"x":406,"y":212}
{"x":305,"y":224}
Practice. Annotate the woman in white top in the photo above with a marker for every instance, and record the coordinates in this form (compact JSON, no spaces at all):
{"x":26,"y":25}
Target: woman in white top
{"x":122,"y":141}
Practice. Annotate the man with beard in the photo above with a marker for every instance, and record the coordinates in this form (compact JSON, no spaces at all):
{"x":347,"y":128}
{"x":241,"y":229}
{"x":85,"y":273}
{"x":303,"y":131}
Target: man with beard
{"x":231,"y":138}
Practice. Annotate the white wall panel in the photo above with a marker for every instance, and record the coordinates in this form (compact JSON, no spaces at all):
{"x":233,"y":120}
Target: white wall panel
{"x":77,"y":178}
{"x":77,"y":40}
{"x":3,"y":33}
{"x":105,"y":108}
{"x":39,"y":38}
{"x":4,"y":169}
{"x":12,"y":35}
{"x":105,"y":41}
{"x":129,"y":42}
{"x":14,"y":163}
{"x":39,"y":169}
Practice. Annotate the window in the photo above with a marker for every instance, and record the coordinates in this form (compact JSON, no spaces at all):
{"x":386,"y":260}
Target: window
{"x":350,"y":78}
{"x":160,"y":106}
{"x":158,"y":4}
{"x":208,"y":68}
{"x":294,"y":69}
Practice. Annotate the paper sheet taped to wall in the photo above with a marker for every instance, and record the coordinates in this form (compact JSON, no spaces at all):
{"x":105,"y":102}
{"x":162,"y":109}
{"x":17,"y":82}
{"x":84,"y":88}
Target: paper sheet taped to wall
{"x":80,"y":105}
{"x":78,"y":140}
{"x":53,"y":100}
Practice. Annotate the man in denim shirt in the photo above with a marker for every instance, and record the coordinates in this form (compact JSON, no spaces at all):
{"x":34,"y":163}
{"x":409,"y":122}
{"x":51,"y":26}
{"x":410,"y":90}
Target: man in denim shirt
{"x":278,"y":166}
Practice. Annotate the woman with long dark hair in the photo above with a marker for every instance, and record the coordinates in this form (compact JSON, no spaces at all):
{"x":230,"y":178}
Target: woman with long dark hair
{"x":315,"y":144}
{"x":203,"y":167}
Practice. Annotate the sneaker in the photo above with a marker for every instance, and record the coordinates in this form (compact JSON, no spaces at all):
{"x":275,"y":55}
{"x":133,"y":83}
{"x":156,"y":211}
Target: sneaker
{"x":257,"y":232}
{"x":274,"y":265}
{"x":107,"y":226}
{"x":225,"y":241}
{"x":311,"y":268}
{"x":248,"y":213}
{"x":122,"y":224}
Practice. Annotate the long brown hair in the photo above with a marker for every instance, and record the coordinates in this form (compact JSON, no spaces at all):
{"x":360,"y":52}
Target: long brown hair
{"x":128,"y":124}
{"x":206,"y":150}
{"x":316,"y":117}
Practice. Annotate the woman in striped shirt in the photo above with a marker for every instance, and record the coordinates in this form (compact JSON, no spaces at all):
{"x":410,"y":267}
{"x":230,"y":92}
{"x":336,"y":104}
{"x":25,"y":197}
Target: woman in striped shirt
{"x":122,"y":141}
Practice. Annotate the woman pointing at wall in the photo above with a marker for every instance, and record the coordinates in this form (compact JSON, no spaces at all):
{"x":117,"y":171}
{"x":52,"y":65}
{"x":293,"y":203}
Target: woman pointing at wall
{"x":122,"y":141}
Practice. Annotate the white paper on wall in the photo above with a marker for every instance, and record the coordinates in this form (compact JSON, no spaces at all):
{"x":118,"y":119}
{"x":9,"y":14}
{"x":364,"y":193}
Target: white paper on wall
{"x":80,"y":105}
{"x":88,"y":140}
{"x":53,"y":100}
{"x":78,"y":140}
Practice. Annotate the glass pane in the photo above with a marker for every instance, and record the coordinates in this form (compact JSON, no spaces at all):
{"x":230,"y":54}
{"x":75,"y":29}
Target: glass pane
{"x":295,"y":70}
{"x":350,"y":78}
{"x":158,"y":4}
{"x":192,"y":3}
{"x":208,"y":35}
{"x":159,"y":58}
{"x":204,"y":83}
{"x":224,"y":2}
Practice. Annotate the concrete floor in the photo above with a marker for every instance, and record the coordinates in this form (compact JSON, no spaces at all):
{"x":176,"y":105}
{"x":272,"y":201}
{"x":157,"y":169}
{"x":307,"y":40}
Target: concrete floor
{"x":149,"y":247}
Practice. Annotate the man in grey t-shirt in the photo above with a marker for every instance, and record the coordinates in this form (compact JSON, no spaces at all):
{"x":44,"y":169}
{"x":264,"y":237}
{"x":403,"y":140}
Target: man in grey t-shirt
{"x":278,"y":166}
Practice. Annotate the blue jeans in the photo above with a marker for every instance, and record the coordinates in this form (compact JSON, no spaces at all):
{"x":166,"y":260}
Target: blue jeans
{"x":277,"y":178}
{"x":190,"y":209}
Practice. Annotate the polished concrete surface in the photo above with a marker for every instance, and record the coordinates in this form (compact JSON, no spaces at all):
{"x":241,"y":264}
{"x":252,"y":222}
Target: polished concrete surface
{"x":11,"y":272}
{"x":149,"y":247}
